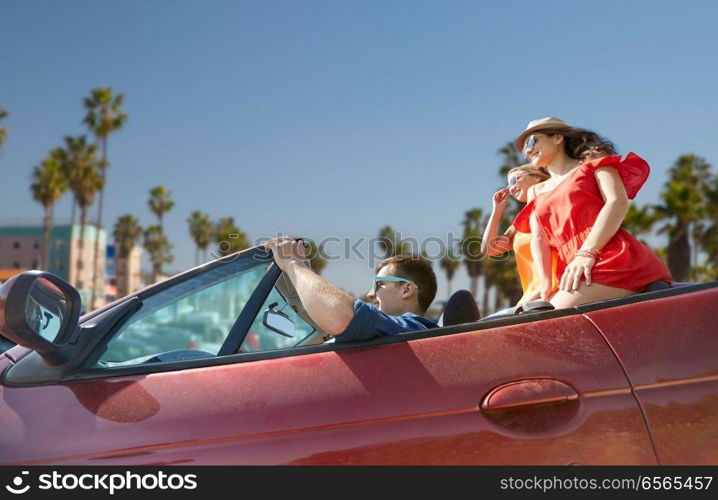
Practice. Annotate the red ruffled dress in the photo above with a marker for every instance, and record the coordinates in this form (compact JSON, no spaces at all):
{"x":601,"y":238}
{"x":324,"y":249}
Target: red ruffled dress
{"x":567,"y":213}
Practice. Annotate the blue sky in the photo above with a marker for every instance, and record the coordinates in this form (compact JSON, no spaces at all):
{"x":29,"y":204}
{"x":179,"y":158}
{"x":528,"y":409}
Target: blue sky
{"x":334,"y":118}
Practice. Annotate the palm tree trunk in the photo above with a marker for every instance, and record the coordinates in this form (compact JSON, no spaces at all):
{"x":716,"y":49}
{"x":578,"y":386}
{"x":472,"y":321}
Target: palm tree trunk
{"x":474,"y":286}
{"x":679,"y":253}
{"x":448,"y":292}
{"x":72,"y":213}
{"x":47,"y":226}
{"x":123,"y":285}
{"x":100,"y":203}
{"x":485,"y":301}
{"x":78,"y":266}
{"x":696,"y":245}
{"x":156,"y":271}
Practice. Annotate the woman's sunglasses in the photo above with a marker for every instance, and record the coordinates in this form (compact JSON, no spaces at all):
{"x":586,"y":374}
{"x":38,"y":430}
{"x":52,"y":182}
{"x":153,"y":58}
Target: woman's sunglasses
{"x":529,"y":144}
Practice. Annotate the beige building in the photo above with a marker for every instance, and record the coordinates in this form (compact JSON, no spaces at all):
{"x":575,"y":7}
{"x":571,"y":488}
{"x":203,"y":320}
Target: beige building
{"x":127,"y":272}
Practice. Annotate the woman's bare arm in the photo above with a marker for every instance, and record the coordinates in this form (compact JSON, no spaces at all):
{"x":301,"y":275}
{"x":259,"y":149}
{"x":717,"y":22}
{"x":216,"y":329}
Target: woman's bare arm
{"x":611,"y":216}
{"x":491,"y":244}
{"x":607,"y":222}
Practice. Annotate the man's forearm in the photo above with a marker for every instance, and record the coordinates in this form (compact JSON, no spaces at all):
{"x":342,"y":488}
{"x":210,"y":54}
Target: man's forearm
{"x":330,"y":307}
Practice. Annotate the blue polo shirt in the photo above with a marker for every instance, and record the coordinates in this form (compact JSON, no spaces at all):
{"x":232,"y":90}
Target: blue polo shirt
{"x":369,"y":322}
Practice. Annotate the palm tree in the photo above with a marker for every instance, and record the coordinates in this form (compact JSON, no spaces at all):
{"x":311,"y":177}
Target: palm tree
{"x":511,"y":158}
{"x":3,"y":131}
{"x":48,"y":185}
{"x":127,"y":233}
{"x":229,"y":237}
{"x":390,"y":242}
{"x":450,"y":263}
{"x":471,"y":247}
{"x":500,"y":272}
{"x":82,"y":171}
{"x":159,"y":249}
{"x":709,"y":236}
{"x":200,"y":229}
{"x":103,"y":117}
{"x":505,"y":278}
{"x":639,"y":221}
{"x":315,"y":256}
{"x":683,"y":206}
{"x":160,"y":202}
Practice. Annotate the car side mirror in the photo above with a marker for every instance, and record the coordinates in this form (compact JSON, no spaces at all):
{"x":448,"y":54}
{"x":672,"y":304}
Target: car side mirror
{"x":279,"y":323}
{"x":40,"y":311}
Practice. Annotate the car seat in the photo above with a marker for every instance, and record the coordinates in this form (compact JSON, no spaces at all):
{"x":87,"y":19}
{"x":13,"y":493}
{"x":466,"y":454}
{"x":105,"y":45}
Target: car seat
{"x":460,"y":308}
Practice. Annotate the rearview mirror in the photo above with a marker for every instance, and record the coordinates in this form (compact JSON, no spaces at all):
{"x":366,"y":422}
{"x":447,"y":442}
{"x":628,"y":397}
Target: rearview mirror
{"x":279,"y":323}
{"x":40,"y":311}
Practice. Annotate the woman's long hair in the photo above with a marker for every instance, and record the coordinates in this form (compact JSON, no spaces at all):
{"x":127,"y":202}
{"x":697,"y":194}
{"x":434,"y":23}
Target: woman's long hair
{"x":541,"y":172}
{"x":581,"y":144}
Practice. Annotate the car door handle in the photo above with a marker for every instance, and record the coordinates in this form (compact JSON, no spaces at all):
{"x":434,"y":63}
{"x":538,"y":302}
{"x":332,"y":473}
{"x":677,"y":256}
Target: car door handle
{"x":531,"y":392}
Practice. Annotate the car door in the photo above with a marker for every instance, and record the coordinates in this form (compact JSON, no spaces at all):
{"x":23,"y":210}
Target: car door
{"x":669,"y":348}
{"x":542,"y":389}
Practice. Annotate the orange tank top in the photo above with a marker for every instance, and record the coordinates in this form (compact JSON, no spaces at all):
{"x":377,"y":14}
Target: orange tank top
{"x":530,"y":281}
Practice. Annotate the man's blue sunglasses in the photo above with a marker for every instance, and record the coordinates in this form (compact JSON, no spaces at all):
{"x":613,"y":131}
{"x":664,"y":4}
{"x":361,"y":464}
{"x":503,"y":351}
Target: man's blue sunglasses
{"x":390,"y":279}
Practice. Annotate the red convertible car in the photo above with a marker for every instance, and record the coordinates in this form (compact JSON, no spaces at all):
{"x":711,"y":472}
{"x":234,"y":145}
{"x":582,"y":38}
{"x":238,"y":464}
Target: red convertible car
{"x":221,"y":365}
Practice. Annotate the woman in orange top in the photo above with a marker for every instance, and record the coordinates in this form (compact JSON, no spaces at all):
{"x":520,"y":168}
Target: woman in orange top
{"x":518,"y":235}
{"x":578,"y":212}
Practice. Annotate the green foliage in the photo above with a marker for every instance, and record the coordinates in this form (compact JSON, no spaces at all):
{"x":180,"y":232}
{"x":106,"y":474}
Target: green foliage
{"x":200,"y":229}
{"x":391,"y":244}
{"x":49,"y":182}
{"x":708,"y":235}
{"x":160,"y":202}
{"x":127,"y":233}
{"x":450,"y":263}
{"x":229,"y":237}
{"x":471,"y":247}
{"x":315,"y":255}
{"x":683,"y":206}
{"x":81,"y":169}
{"x":510,"y":159}
{"x":159,"y":249}
{"x":104,"y":113}
{"x":639,"y":221}
{"x":471,"y":241}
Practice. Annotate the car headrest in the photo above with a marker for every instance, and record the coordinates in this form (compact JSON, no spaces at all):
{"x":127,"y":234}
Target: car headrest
{"x":460,"y":308}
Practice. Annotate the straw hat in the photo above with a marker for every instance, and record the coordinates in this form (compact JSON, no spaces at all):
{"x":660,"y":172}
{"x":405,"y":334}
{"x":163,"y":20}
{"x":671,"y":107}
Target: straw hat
{"x":549,"y":122}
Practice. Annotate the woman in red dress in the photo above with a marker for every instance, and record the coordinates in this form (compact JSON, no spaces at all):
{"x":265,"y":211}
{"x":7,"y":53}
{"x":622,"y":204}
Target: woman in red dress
{"x":578,"y":214}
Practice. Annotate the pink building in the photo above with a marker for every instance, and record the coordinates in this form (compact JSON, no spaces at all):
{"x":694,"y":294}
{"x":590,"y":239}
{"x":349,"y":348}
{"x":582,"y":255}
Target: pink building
{"x":70,"y":258}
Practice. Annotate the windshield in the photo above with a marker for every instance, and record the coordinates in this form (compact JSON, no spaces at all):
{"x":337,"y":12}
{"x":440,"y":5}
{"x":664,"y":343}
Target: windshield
{"x":195,"y":314}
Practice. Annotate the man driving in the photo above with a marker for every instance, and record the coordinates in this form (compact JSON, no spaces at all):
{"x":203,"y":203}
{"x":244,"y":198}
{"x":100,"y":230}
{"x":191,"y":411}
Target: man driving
{"x":403,"y":289}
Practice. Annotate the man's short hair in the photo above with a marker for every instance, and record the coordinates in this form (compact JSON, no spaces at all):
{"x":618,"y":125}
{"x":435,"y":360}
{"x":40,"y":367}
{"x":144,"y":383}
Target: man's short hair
{"x":418,"y":270}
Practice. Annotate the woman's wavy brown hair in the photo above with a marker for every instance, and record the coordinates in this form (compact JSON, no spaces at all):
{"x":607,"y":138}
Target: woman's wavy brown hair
{"x":582,"y":144}
{"x":541,"y":172}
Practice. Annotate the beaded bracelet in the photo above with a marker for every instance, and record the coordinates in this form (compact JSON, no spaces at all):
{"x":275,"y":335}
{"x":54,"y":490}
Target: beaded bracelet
{"x":587,"y":253}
